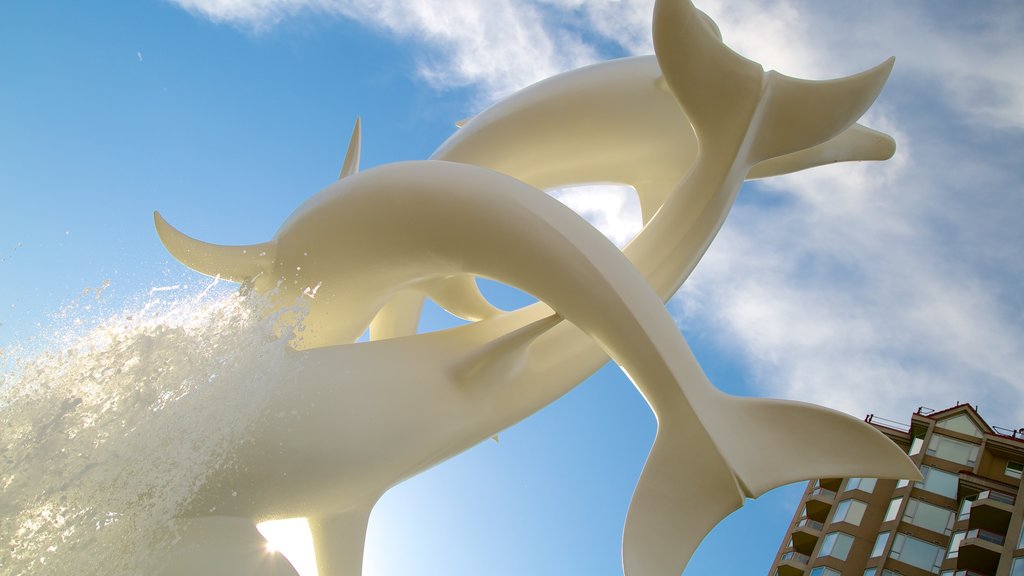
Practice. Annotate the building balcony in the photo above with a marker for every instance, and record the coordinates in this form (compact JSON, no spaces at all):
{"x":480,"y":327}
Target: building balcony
{"x":993,"y":496}
{"x":970,"y":573}
{"x":819,"y":502}
{"x":793,"y":563}
{"x":806,"y":534}
{"x":991,"y":511}
{"x":980,"y":551}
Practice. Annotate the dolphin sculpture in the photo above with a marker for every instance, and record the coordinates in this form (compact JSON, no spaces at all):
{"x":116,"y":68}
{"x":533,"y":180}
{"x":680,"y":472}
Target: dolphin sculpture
{"x":614,"y":121}
{"x":353,"y":422}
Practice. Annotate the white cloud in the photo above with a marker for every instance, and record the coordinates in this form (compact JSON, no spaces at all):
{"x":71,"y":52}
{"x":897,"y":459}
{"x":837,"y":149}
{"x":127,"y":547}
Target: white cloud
{"x":859,"y":287}
{"x":882,"y":287}
{"x":975,"y":58}
{"x":612,"y":209}
{"x":870,"y":288}
{"x":497,"y":46}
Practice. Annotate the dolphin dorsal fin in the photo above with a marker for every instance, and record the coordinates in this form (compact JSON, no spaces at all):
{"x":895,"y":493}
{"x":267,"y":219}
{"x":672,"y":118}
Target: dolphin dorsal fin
{"x":351,"y":165}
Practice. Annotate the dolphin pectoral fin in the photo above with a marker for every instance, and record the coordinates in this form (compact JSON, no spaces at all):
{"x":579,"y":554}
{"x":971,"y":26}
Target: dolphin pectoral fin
{"x":856,"y":143}
{"x":685,"y":489}
{"x":399,"y":317}
{"x":460,"y":296}
{"x":351,"y":165}
{"x":235,"y":263}
{"x":651,"y":195}
{"x":339,"y":539}
{"x":501,"y":358}
{"x":769,"y":443}
{"x":798,"y":114}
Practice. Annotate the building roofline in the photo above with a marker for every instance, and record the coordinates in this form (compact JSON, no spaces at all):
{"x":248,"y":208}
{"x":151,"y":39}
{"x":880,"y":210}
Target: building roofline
{"x":1014,"y":435}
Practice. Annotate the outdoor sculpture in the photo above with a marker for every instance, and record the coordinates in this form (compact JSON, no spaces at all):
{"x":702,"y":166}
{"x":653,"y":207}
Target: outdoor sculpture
{"x":355,"y":421}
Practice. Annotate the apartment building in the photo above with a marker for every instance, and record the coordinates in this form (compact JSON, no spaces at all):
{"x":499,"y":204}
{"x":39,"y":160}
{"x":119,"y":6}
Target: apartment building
{"x":964,"y":519}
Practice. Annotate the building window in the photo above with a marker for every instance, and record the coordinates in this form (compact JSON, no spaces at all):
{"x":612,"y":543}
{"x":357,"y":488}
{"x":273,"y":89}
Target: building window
{"x":915,"y":445}
{"x":1017,"y":569}
{"x":953,"y":450}
{"x":849,"y":511}
{"x":862,"y":484}
{"x":894,"y":509}
{"x":961,"y":423}
{"x":965,"y":507}
{"x":1014,"y":469}
{"x":836,"y":545}
{"x":880,"y":543}
{"x":902,"y":483}
{"x":870,"y":572}
{"x":954,"y":544}
{"x":929,"y":516}
{"x":823,"y":571}
{"x":1020,"y":539}
{"x":938,"y":481}
{"x":918,"y":553}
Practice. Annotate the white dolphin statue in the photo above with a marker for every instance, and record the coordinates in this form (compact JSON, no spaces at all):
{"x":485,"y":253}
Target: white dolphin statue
{"x":611,"y":122}
{"x":361,"y":417}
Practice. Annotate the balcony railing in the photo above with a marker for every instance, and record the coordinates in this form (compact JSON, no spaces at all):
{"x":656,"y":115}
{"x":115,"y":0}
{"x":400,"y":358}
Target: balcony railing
{"x":997,"y":497}
{"x":878,"y":421}
{"x":985,"y":535}
{"x":796,"y":557}
{"x":808,"y":523}
{"x":823,"y":492}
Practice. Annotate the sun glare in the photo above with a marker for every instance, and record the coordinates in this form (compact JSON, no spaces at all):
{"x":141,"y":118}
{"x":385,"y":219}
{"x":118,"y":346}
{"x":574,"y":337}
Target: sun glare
{"x":292,"y":538}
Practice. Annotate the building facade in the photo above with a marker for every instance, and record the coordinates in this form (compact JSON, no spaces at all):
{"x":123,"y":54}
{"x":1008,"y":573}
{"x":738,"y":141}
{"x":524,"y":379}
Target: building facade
{"x":964,"y":519}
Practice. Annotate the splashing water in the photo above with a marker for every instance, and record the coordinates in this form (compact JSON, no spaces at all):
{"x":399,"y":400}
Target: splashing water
{"x":105,"y":440}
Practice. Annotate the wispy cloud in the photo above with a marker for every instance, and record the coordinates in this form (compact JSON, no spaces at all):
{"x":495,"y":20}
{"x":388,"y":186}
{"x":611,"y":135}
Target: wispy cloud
{"x":614,"y":210}
{"x":497,"y":46}
{"x":869,"y":288}
{"x":881,"y":287}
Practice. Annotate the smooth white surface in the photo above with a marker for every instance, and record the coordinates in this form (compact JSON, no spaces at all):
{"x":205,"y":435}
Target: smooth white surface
{"x":362,"y":417}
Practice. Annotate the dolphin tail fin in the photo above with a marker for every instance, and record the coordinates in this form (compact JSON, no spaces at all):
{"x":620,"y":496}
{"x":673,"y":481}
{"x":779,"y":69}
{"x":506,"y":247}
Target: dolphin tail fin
{"x":729,"y":98}
{"x":698,"y":473}
{"x":685,"y":489}
{"x":771,"y":442}
{"x":856,"y":143}
{"x":235,"y":263}
{"x":798,"y":114}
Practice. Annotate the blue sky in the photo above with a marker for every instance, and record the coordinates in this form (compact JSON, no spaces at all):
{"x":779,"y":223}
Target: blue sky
{"x":868,"y":288}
